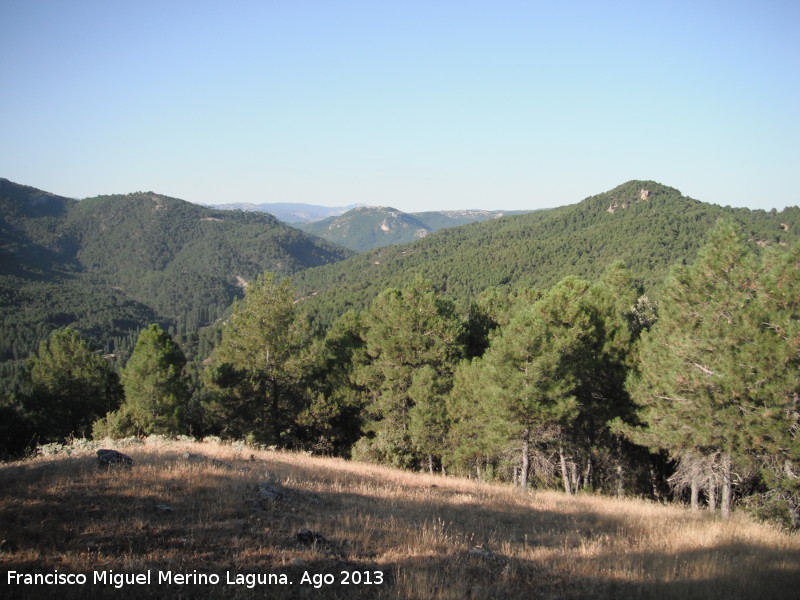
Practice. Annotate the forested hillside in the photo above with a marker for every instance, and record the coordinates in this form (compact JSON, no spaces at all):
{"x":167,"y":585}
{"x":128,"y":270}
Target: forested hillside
{"x":111,"y":265}
{"x":368,"y":227}
{"x":646,"y":225}
{"x":521,"y":350}
{"x":442,"y":219}
{"x":177,"y":256}
{"x":289,"y":212}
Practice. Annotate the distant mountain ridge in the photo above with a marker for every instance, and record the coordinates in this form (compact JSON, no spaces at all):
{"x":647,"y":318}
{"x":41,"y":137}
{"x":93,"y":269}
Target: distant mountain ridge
{"x":289,"y":212}
{"x":442,"y":219}
{"x":647,"y":225}
{"x":112,"y":264}
{"x":368,"y":227}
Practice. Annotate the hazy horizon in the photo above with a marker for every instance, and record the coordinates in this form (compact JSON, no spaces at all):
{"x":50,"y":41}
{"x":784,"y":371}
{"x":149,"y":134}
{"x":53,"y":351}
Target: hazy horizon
{"x":417,"y":106}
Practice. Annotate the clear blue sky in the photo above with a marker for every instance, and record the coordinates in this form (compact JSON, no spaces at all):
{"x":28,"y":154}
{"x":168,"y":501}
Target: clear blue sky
{"x":413,"y":104}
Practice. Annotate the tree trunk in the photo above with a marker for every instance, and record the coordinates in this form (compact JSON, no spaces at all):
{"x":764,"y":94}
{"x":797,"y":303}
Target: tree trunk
{"x":526,"y":458}
{"x":274,"y":412}
{"x":430,"y":463}
{"x":587,"y":476}
{"x":564,"y":473}
{"x":620,"y":469}
{"x":654,"y":483}
{"x":575,"y":476}
{"x":695,"y":502}
{"x":712,"y":490}
{"x":726,"y":486}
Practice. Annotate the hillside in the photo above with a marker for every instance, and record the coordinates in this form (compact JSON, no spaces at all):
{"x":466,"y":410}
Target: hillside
{"x":112,"y":264}
{"x":647,"y":225}
{"x":28,"y":229}
{"x":205,"y":510}
{"x":289,"y":212}
{"x":175,"y":255}
{"x":442,"y":219}
{"x":368,"y":227}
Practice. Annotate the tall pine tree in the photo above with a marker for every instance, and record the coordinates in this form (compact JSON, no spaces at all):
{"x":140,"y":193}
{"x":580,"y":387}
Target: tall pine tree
{"x":407,"y":330}
{"x":259,"y":364}
{"x":717,"y":373}
{"x":534,"y":368}
{"x":70,"y":387}
{"x":156,"y":390}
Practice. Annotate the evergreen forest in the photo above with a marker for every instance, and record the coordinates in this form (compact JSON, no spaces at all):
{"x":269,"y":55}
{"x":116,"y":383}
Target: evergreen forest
{"x":367,"y":227}
{"x":636,"y":343}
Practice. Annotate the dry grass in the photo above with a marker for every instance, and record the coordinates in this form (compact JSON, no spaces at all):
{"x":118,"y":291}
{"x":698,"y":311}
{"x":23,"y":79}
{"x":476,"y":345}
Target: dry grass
{"x":431,"y":537}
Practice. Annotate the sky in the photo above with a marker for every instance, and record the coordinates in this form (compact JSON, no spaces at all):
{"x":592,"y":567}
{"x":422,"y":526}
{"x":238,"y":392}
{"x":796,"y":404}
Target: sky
{"x":419,"y":105}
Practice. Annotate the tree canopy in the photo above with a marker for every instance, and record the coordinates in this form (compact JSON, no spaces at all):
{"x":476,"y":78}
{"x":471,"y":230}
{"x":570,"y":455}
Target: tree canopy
{"x":718,"y":373}
{"x":70,"y":387}
{"x":156,"y":390}
{"x":260,"y":362}
{"x":411,"y":335}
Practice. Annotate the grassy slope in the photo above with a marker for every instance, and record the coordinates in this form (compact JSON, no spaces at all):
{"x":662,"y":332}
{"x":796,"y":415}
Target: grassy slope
{"x":62,"y":513}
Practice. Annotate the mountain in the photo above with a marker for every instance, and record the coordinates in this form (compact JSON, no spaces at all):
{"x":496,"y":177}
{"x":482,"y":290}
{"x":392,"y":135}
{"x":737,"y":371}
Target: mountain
{"x":289,"y":212}
{"x":442,"y":219}
{"x":41,"y":285}
{"x":174,"y":254}
{"x":112,"y":264}
{"x":368,"y":227}
{"x":647,"y":225}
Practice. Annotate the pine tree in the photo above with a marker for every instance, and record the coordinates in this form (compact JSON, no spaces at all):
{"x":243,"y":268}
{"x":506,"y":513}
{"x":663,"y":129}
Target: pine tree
{"x":70,"y":386}
{"x":260,"y":362}
{"x":156,"y":390}
{"x":776,"y":352}
{"x":601,"y":391}
{"x":428,"y":420}
{"x":534,"y":367}
{"x":552,"y":379}
{"x":718,"y":371}
{"x":332,"y":421}
{"x":406,"y":330}
{"x":477,"y":435}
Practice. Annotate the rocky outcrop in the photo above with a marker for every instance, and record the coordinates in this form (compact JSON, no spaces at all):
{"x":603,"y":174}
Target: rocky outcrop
{"x":111,"y":458}
{"x":308,"y":537}
{"x":617,"y":205}
{"x":203,"y":459}
{"x":269,"y":493}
